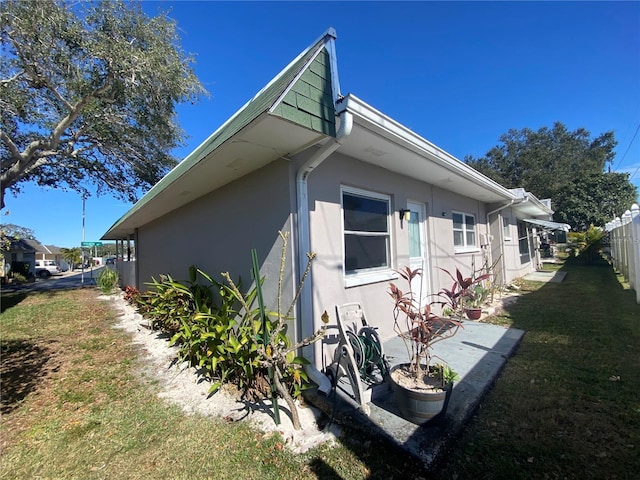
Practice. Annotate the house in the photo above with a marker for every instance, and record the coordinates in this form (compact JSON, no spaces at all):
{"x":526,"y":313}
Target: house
{"x":358,"y":188}
{"x":18,"y":256}
{"x":48,"y":252}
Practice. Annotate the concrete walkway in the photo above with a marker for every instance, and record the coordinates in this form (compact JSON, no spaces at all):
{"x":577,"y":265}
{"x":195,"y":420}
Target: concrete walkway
{"x":478,"y":352}
{"x":555,"y":277}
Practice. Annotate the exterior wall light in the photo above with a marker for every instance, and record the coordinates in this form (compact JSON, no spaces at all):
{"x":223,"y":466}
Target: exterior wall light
{"x":405,"y":215}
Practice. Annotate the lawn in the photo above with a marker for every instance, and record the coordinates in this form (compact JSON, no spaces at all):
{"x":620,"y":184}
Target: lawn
{"x":567,"y":405}
{"x":75,"y":404}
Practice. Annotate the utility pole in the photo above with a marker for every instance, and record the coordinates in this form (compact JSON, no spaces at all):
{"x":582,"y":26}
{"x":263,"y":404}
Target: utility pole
{"x":81,"y":247}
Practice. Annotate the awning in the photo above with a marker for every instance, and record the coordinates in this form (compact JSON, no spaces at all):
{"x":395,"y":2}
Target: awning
{"x":548,"y":224}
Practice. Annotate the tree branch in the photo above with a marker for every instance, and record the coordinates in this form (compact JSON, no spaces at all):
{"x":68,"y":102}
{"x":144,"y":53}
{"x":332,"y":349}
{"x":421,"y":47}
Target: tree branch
{"x":11,"y":146}
{"x":12,"y":79}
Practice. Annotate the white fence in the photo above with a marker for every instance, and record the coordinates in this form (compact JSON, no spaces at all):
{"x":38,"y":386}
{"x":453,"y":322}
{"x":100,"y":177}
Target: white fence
{"x":625,"y":246}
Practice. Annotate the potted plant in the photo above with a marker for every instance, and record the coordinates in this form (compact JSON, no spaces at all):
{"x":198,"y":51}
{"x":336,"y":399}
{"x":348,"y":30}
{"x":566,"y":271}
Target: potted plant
{"x":422,"y":389}
{"x":473,"y":301}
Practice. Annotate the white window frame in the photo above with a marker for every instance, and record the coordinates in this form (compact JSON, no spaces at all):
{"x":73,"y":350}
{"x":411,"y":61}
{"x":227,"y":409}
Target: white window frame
{"x":367,"y":275}
{"x":465,"y":247}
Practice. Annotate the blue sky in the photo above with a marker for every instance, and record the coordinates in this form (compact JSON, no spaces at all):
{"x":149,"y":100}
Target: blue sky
{"x":459,"y":74}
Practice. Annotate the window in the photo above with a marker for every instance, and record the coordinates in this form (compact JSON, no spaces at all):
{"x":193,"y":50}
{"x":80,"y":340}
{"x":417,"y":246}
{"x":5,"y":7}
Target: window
{"x":464,"y":231}
{"x":415,"y":241}
{"x":523,"y":242}
{"x":366,"y":231}
{"x":506,"y":233}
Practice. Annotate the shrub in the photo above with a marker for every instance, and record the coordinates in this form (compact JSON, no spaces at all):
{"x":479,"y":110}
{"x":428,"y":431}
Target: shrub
{"x":219,"y":330}
{"x":131,"y":295}
{"x":586,"y":245}
{"x":20,"y":268}
{"x":165,"y":304}
{"x":19,"y":278}
{"x":107,"y":281}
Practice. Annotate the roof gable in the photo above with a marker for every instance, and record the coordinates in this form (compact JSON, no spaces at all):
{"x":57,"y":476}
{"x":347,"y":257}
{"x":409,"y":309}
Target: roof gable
{"x":302,"y":94}
{"x":309,"y":101}
{"x":36,"y":245}
{"x":19,"y":245}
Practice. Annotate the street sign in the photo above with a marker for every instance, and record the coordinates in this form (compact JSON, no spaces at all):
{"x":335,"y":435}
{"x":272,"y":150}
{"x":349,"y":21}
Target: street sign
{"x":91,"y":244}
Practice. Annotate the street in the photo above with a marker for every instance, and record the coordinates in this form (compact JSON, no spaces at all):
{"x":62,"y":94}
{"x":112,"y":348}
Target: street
{"x":68,"y":280}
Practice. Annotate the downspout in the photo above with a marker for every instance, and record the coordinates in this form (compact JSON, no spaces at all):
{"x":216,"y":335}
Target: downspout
{"x":305,"y":321}
{"x":513,"y":202}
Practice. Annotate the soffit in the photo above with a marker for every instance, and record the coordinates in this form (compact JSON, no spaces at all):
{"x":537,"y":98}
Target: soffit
{"x":249,"y":139}
{"x":532,"y":209}
{"x":378,"y":140}
{"x":250,"y":149}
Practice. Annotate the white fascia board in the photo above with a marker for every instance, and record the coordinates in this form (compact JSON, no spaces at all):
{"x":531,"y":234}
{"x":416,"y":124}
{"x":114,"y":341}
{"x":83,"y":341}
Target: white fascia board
{"x":402,"y":135}
{"x":533,"y":199}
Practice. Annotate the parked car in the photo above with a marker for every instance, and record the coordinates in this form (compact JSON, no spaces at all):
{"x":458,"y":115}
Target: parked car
{"x":46,"y":268}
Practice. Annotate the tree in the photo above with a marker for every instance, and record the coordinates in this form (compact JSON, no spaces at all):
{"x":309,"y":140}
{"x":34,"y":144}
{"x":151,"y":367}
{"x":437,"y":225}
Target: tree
{"x":10,"y":232}
{"x":594,"y":199}
{"x":88,"y":94}
{"x":106,"y":249}
{"x":16,"y":231}
{"x":564,"y":166}
{"x":72,"y":256}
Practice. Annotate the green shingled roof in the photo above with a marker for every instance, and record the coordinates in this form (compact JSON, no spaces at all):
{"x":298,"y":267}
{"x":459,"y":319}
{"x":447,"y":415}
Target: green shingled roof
{"x":302,"y":93}
{"x":309,"y":101}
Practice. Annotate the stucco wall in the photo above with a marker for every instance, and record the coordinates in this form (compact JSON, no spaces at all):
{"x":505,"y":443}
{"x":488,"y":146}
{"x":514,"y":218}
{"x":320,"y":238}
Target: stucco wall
{"x":512,"y":264}
{"x":217,"y":232}
{"x":126,"y":273}
{"x":327,"y":241}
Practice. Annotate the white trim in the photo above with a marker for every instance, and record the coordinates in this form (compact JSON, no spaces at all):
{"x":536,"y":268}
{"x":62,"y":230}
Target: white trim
{"x":369,"y":275}
{"x":364,"y":193}
{"x":458,"y":250}
{"x":465,"y":230}
{"x":411,"y":140}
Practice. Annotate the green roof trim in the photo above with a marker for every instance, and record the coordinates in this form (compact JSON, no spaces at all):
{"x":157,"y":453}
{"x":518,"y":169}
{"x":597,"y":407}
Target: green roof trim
{"x":309,"y":101}
{"x":301,"y":93}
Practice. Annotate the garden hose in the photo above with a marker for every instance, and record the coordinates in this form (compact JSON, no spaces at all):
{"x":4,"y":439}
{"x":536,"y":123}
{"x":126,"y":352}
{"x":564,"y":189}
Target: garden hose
{"x":367,"y":351}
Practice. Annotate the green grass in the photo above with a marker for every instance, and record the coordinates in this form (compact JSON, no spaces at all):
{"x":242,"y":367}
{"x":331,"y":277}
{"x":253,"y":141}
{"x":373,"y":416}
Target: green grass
{"x":567,"y":405}
{"x":75,"y":406}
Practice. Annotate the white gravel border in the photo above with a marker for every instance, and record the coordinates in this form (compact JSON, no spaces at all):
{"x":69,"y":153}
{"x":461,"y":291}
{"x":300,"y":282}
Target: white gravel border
{"x":178,"y":383}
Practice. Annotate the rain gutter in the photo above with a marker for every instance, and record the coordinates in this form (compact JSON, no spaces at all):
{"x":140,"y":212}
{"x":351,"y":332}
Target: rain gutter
{"x":305,"y":322}
{"x":514,"y":201}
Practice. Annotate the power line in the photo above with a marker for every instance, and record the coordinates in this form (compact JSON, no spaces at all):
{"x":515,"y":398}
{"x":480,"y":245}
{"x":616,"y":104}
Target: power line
{"x":627,"y":150}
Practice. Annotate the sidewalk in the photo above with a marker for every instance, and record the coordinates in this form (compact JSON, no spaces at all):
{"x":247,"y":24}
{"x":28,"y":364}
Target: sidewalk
{"x":478,"y":353}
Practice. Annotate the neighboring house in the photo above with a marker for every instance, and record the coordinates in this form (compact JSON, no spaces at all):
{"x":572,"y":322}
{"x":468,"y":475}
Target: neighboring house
{"x":17,"y":250}
{"x":48,"y":252}
{"x":362,"y":191}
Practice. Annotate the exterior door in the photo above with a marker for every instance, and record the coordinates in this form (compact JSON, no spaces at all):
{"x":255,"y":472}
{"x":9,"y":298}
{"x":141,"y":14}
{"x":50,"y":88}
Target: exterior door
{"x":418,"y":250}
